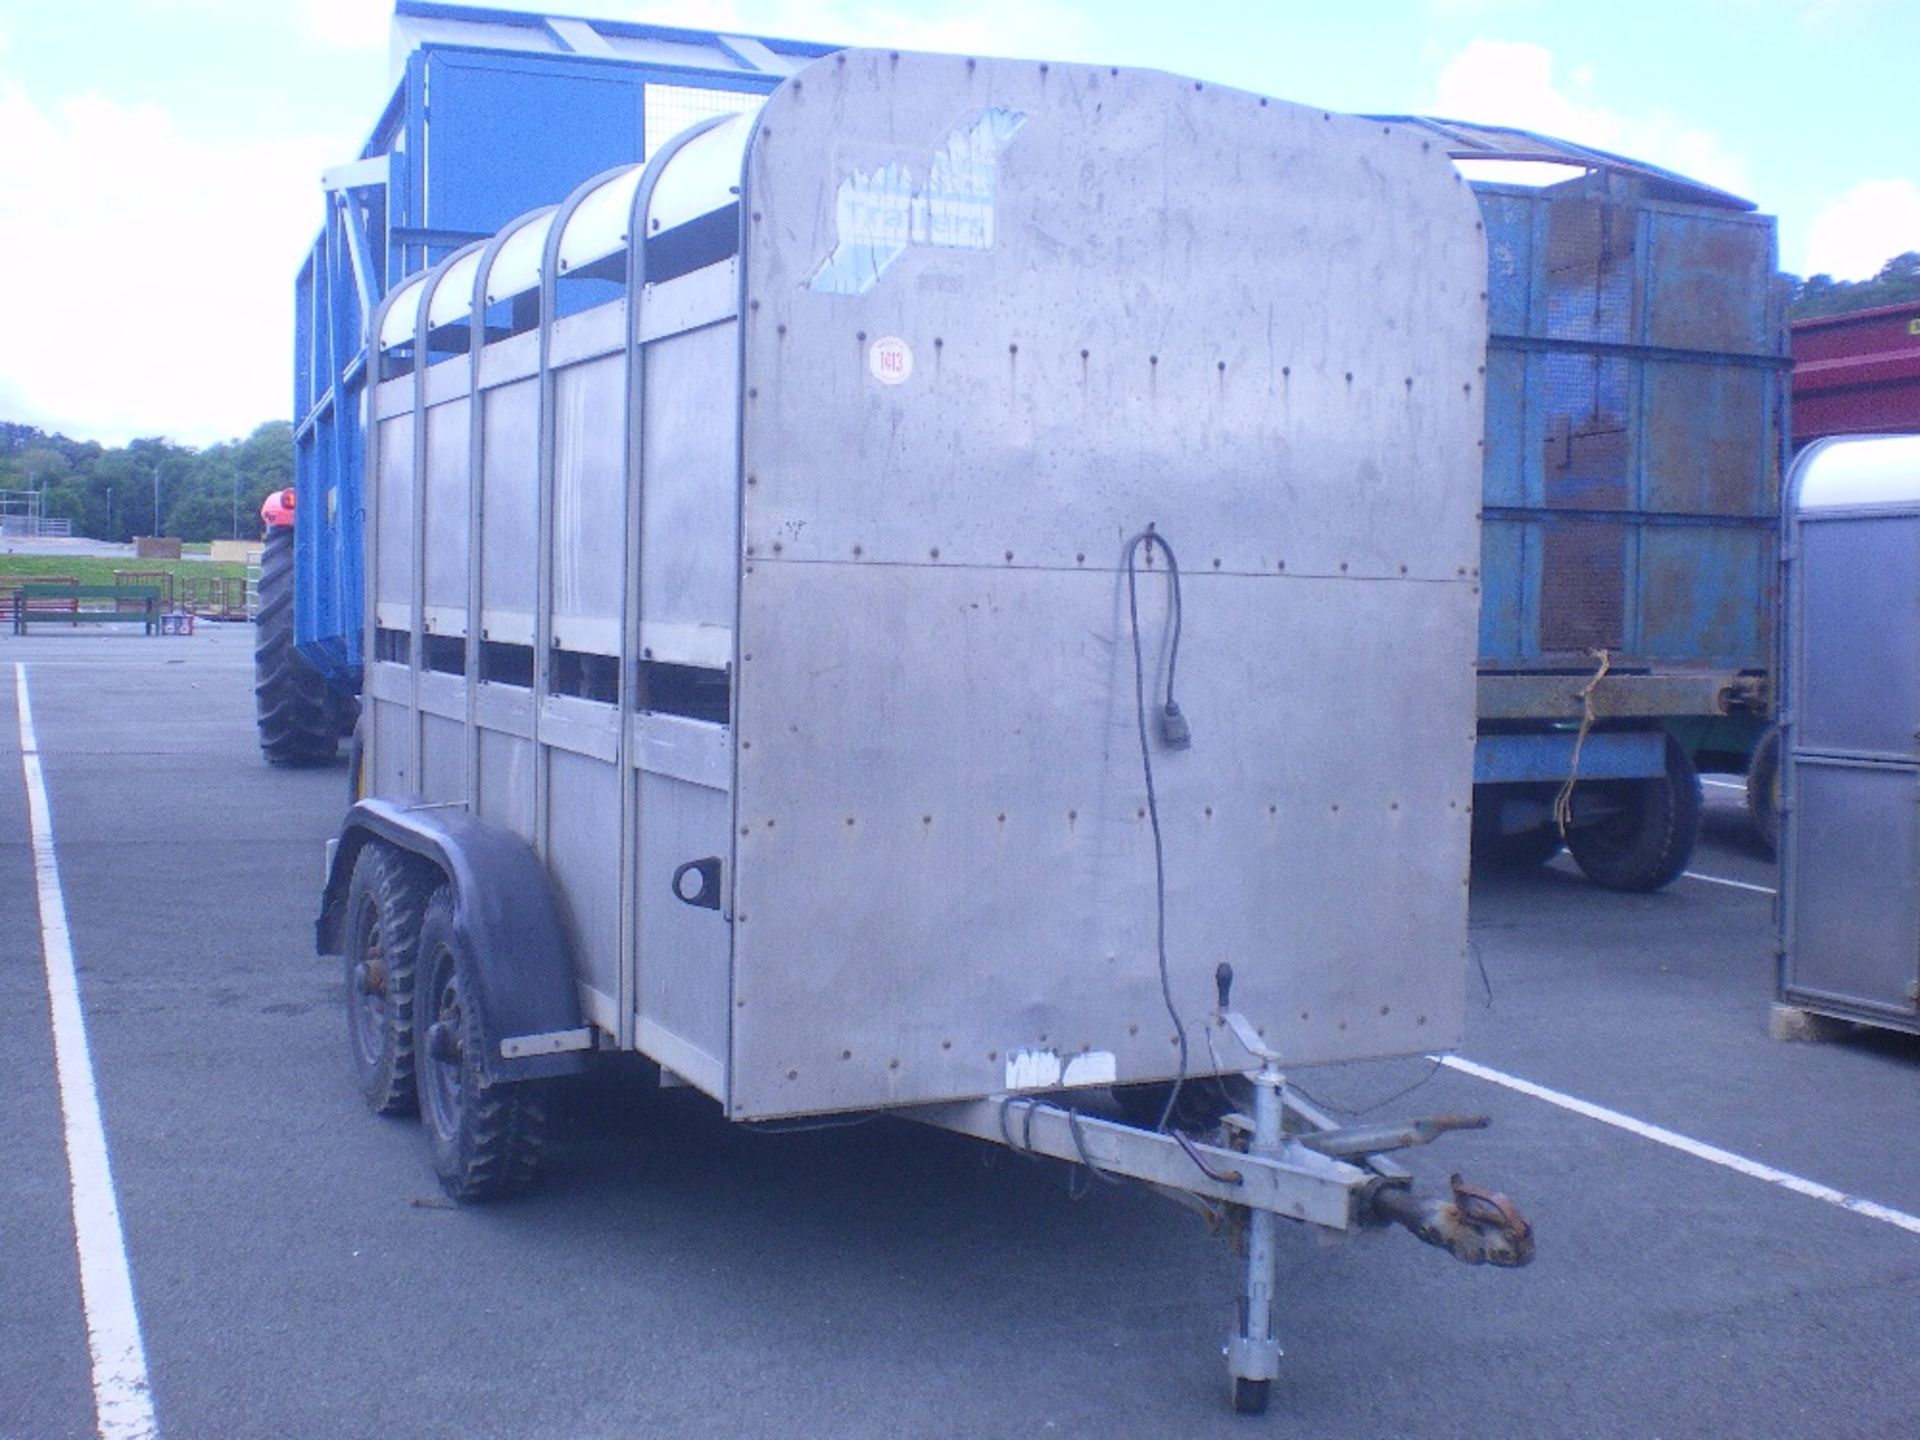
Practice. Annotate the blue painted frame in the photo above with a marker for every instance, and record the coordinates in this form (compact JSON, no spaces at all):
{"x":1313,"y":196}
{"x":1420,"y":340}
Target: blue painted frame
{"x":533,"y":124}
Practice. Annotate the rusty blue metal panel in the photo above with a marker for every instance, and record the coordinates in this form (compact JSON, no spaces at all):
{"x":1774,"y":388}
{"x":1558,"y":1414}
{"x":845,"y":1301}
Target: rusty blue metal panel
{"x":1547,"y":756}
{"x":1634,"y":404}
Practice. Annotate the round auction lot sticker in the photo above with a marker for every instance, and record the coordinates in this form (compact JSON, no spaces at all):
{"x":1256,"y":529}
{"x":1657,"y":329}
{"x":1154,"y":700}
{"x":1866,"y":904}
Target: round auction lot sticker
{"x":890,"y":360}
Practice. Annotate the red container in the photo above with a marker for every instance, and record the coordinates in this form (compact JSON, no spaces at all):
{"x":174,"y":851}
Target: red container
{"x":1857,"y":374}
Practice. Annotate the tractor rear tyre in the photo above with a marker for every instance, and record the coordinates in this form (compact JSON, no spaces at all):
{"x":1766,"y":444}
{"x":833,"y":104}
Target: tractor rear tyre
{"x":1647,"y":837}
{"x":301,"y":717}
{"x":485,"y":1137}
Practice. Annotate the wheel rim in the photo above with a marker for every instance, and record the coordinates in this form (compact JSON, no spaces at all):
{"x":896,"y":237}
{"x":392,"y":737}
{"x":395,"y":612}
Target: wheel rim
{"x":442,"y":1075}
{"x":366,"y":988}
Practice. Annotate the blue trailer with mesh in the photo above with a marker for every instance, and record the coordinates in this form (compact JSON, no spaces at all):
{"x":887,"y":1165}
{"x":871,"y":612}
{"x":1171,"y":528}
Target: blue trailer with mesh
{"x":1635,"y":398}
{"x":1636,"y":395}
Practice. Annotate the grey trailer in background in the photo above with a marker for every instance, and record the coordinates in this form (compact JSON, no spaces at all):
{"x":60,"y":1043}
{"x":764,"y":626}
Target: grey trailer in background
{"x":792,"y":594}
{"x":1850,"y":857}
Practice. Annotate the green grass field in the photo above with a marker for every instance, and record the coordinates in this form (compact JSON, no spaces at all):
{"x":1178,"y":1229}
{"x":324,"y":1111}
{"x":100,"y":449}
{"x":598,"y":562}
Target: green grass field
{"x":98,"y":569}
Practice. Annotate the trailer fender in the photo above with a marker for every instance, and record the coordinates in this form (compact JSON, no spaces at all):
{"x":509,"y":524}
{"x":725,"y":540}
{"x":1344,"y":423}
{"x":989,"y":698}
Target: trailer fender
{"x":516,"y":965}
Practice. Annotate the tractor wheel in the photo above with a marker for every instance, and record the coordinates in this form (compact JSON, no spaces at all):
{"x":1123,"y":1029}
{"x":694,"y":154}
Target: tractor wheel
{"x":1763,"y":790}
{"x":485,"y":1137}
{"x":301,"y":717}
{"x":386,"y":901}
{"x":1647,"y":835}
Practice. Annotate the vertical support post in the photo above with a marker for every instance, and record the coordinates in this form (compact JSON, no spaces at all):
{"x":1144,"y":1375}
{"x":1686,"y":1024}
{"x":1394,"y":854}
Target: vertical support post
{"x":1253,"y":1355}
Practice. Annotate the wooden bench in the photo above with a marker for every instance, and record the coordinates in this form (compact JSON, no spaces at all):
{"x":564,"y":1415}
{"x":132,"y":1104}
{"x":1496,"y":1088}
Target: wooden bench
{"x":80,"y":604}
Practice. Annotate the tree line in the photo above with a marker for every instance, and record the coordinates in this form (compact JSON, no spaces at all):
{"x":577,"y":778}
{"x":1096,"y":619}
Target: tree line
{"x":111,"y":492}
{"x":1897,"y":282}
{"x":152,"y":486}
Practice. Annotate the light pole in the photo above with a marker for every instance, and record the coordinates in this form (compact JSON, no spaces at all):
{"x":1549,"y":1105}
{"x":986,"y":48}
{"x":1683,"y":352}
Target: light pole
{"x":156,"y":500}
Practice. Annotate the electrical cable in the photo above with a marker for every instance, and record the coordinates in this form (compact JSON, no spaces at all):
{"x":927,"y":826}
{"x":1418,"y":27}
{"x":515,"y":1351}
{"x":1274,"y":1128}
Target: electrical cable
{"x":1170,"y":713}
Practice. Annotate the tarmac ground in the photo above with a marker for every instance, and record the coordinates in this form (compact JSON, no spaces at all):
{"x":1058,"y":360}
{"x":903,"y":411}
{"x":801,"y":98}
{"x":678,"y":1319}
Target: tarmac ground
{"x":295,"y":1271}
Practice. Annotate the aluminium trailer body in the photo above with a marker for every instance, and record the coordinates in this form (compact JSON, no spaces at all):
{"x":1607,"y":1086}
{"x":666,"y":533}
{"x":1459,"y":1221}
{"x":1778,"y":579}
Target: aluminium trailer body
{"x":1636,"y":399}
{"x":776,"y":660}
{"x":1849,"y":912}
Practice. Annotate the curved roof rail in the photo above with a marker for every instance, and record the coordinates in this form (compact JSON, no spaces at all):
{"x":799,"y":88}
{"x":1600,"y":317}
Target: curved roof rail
{"x":1467,"y":140}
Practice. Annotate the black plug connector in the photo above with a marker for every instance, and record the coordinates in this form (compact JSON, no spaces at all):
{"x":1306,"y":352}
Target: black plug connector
{"x":1174,"y":729}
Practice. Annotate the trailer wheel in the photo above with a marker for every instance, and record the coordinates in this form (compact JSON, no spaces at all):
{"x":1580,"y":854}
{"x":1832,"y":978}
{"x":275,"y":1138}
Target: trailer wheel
{"x":1647,"y":836}
{"x":485,"y":1137}
{"x":300,"y":716}
{"x":1763,"y":790}
{"x":1250,"y":1396}
{"x":386,"y":900}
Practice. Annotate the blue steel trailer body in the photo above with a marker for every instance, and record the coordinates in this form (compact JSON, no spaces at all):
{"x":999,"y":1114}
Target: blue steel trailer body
{"x":1636,"y":394}
{"x":495,"y":113}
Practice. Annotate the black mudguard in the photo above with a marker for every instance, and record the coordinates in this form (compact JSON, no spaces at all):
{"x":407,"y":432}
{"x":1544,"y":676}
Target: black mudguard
{"x":516,"y":965}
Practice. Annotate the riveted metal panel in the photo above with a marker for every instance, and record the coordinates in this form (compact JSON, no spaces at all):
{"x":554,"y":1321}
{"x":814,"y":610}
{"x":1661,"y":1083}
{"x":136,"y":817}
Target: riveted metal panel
{"x":997,"y":324}
{"x":392,"y":541}
{"x":508,"y":511}
{"x":589,"y":504}
{"x":1859,"y":641}
{"x":447,"y":501}
{"x":1855,"y":934}
{"x":689,"y":517}
{"x":684,"y":976}
{"x":583,"y":845}
{"x":506,"y":780}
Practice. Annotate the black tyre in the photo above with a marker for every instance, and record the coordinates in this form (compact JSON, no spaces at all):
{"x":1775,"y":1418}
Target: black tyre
{"x":301,"y":717}
{"x":1763,"y":790}
{"x":1646,"y":835}
{"x":386,"y":902}
{"x":1250,"y":1397}
{"x":485,"y":1138}
{"x":1496,"y":849}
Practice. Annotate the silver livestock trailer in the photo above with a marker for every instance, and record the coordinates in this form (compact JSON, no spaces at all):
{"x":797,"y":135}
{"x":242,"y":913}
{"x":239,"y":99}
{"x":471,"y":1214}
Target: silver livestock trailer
{"x":953,"y":595}
{"x":1850,"y":838}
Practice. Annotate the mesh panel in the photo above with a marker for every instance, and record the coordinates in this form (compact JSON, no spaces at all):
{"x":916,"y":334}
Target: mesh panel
{"x":672,"y":108}
{"x":1589,"y":271}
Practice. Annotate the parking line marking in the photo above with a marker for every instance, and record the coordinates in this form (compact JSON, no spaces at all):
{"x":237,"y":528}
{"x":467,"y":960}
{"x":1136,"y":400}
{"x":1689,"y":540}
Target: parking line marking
{"x":1723,"y":784}
{"x":122,"y":1397}
{"x":1700,"y":1150}
{"x":1730,"y":884}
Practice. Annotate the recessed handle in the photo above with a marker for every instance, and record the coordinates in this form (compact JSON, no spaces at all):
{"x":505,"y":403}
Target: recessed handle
{"x":705,"y":893}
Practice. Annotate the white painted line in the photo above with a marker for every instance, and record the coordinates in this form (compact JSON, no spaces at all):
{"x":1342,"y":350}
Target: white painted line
{"x":122,"y":1399}
{"x":1730,"y":884}
{"x":1723,"y":784}
{"x":1713,"y":1154}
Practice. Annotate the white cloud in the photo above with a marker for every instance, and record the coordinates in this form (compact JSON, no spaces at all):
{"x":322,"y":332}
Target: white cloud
{"x":148,"y":280}
{"x":1869,"y":225}
{"x":346,"y":24}
{"x":1513,"y":83}
{"x":1036,"y":28}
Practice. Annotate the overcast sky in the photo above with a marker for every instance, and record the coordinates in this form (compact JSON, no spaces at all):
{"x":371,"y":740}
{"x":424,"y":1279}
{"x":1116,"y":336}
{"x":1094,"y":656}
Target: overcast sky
{"x":159,"y":159}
